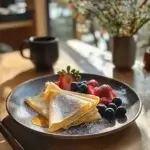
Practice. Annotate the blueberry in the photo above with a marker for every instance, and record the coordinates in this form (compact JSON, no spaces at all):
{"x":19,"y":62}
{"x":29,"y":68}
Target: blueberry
{"x":101,"y":109}
{"x":79,"y":83}
{"x":109,"y":114}
{"x":117,"y":101}
{"x":83,"y":82}
{"x":74,"y":86}
{"x":121,"y":111}
{"x":113,"y":106}
{"x":83,"y":88}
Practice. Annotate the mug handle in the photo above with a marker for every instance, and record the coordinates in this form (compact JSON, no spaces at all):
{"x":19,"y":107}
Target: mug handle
{"x":25,"y":42}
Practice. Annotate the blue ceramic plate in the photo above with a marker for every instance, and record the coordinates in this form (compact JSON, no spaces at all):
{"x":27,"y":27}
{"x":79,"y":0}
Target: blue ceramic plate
{"x":23,"y":114}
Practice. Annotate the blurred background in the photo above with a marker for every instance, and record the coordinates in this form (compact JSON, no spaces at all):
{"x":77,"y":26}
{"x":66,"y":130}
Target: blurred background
{"x":20,"y":19}
{"x":18,"y":22}
{"x":84,"y":44}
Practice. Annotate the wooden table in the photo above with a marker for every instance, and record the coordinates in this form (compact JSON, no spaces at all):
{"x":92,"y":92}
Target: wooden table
{"x":14,"y":70}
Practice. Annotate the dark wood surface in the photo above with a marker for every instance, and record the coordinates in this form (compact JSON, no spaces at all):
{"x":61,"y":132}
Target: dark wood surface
{"x":9,"y":137}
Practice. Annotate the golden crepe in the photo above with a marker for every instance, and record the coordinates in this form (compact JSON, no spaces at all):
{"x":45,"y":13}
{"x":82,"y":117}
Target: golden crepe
{"x":91,"y":115}
{"x":48,"y":105}
{"x":64,"y":109}
{"x":38,"y":104}
{"x":51,"y":85}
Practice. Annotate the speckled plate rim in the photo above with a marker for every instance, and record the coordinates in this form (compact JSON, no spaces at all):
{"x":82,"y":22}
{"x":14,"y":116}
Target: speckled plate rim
{"x":106,"y":132}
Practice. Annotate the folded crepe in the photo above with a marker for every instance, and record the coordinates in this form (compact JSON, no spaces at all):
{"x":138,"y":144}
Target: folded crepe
{"x":64,"y":109}
{"x":91,"y":115}
{"x":38,"y":104}
{"x":51,"y":85}
{"x":49,"y":102}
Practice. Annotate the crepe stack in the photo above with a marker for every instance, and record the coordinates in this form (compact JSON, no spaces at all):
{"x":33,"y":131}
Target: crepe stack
{"x":64,"y":108}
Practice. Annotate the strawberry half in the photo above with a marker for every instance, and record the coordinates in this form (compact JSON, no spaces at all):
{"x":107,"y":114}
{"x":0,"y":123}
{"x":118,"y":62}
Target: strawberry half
{"x":112,"y":95}
{"x":91,"y":90}
{"x":93,"y":83}
{"x":65,"y":81}
{"x":66,"y":77}
{"x":105,"y":100}
{"x":57,"y":83}
{"x":103,"y":90}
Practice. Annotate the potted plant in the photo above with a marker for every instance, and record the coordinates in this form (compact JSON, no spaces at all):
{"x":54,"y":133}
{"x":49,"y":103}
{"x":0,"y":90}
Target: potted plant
{"x":123,"y":19}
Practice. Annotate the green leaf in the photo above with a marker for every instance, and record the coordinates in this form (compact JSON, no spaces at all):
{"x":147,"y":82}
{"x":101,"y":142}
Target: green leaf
{"x":68,"y":69}
{"x":77,"y":72}
{"x":73,"y":70}
{"x":63,"y":71}
{"x":59,"y":72}
{"x":78,"y":77}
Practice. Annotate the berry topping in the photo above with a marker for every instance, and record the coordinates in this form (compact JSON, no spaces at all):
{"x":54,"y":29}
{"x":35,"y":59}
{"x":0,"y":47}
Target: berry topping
{"x":79,"y":83}
{"x":108,"y":87}
{"x":83,"y":88}
{"x":105,"y":100}
{"x":91,"y":90}
{"x":85,"y":82}
{"x":121,"y":111}
{"x":117,"y":101}
{"x":98,"y":91}
{"x":109,"y":114}
{"x":113,"y":94}
{"x":101,"y":109}
{"x":74,"y":86}
{"x":57,"y":83}
{"x":113,"y":106}
{"x":66,"y":77}
{"x":93,"y":83}
{"x":103,"y":90}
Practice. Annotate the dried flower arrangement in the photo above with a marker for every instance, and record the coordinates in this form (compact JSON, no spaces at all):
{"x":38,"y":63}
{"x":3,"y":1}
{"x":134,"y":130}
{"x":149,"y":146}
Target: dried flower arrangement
{"x":120,"y":17}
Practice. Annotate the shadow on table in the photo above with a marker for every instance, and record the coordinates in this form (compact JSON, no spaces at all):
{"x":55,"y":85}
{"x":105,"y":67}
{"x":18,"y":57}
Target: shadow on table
{"x":7,"y":86}
{"x":129,"y":138}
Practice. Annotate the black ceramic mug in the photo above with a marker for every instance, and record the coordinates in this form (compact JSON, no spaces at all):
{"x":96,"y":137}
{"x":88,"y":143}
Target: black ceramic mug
{"x":44,"y":52}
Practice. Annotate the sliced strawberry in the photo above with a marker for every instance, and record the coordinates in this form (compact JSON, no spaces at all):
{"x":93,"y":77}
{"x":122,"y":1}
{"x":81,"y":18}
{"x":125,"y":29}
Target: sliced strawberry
{"x":114,"y":94}
{"x":57,"y":83}
{"x":111,"y":95}
{"x":91,"y":90}
{"x":93,"y":83}
{"x":103,"y":90}
{"x":108,"y":87}
{"x":66,"y":77}
{"x":98,"y":91}
{"x":65,"y":81}
{"x":105,"y":100}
